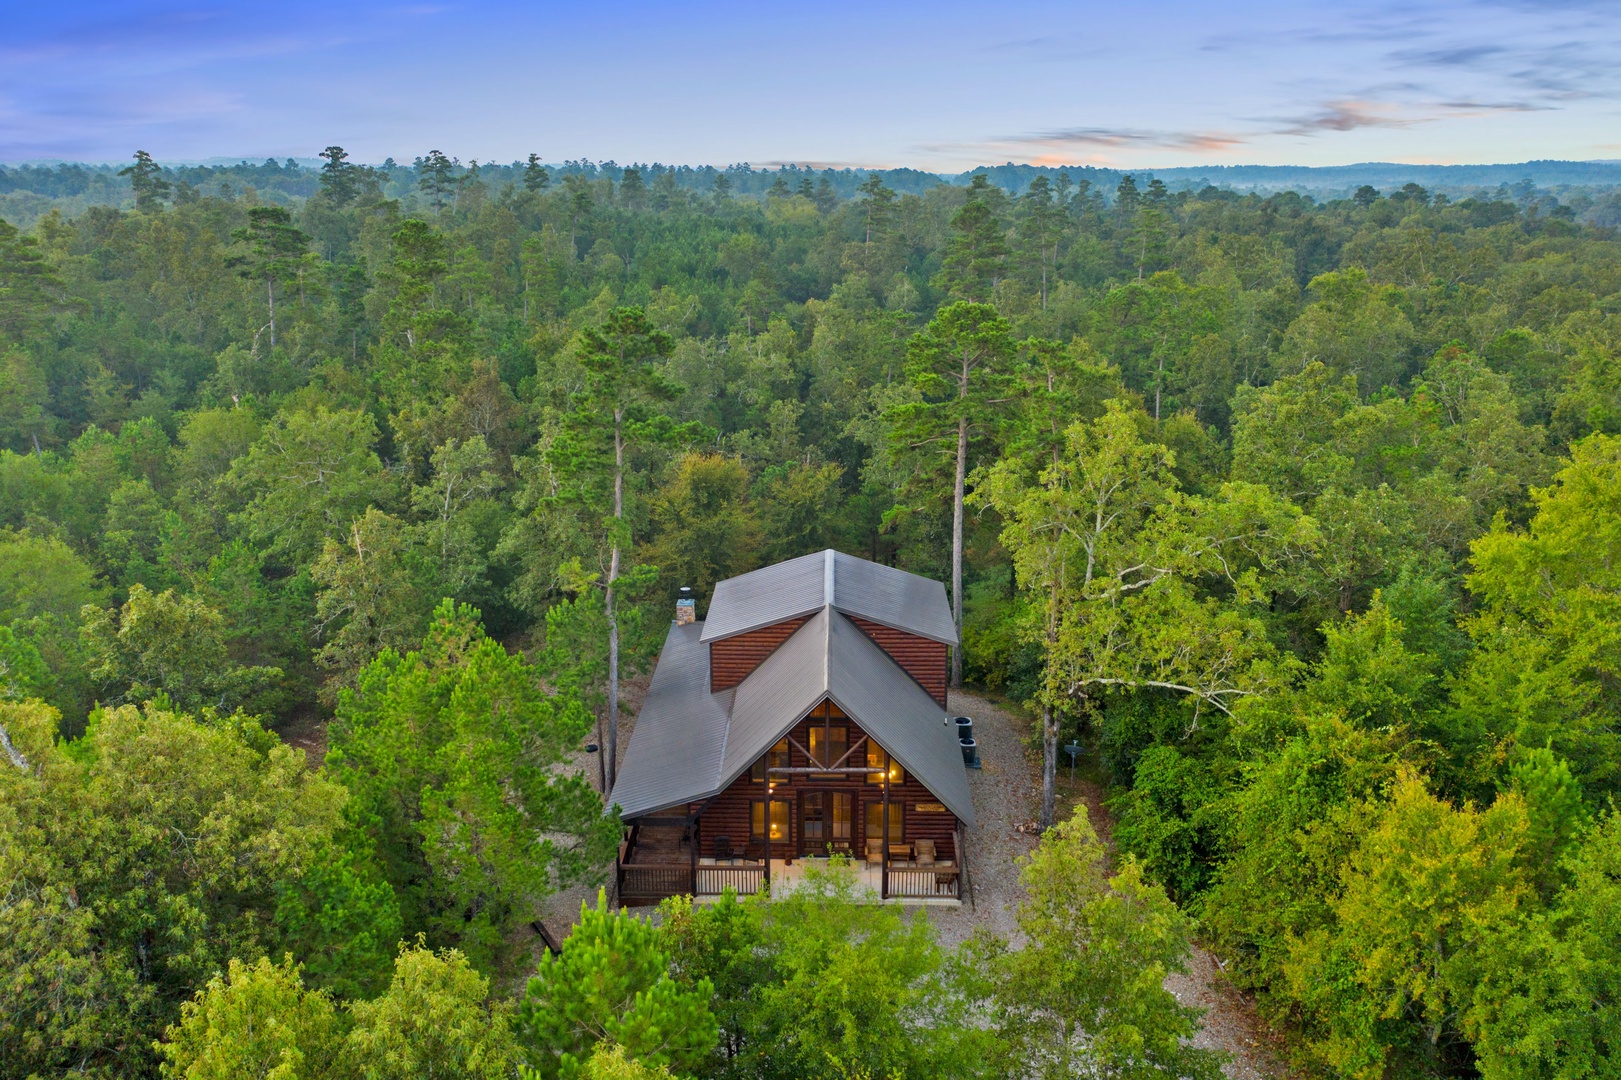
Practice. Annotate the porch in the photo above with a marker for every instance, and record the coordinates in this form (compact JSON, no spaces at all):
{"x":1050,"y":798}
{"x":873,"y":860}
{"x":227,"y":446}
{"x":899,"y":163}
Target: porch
{"x":659,"y":861}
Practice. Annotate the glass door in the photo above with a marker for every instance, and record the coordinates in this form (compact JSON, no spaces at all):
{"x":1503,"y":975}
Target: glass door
{"x":813,"y":830}
{"x":826,"y":820}
{"x":841,"y":818}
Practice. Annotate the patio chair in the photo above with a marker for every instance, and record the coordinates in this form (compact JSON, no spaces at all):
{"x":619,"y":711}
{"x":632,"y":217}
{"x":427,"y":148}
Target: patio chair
{"x":875,"y":851}
{"x":925,"y":853}
{"x":723,"y":848}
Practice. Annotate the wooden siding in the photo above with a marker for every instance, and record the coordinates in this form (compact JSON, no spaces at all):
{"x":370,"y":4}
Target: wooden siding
{"x":728,"y":814}
{"x":732,"y":659}
{"x":919,"y":657}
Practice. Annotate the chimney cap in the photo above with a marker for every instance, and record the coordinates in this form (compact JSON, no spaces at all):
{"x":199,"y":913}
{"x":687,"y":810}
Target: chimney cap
{"x":686,"y":590}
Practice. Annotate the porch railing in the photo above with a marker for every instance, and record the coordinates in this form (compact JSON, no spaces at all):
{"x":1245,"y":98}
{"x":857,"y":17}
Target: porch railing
{"x":925,"y":882}
{"x":743,"y":880}
{"x":654,"y":881}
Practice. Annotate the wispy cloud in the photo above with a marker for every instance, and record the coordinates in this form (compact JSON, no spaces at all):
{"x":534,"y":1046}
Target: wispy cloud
{"x":1347,"y":116}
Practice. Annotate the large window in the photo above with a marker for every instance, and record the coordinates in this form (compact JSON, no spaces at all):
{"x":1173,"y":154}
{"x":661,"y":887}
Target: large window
{"x":775,"y":758}
{"x":827,"y":746}
{"x":878,"y":759}
{"x":779,"y":821}
{"x":875,"y":821}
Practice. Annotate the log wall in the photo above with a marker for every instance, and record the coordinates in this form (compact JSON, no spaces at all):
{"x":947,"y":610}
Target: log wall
{"x":729,"y":814}
{"x":732,"y":659}
{"x":925,"y":660}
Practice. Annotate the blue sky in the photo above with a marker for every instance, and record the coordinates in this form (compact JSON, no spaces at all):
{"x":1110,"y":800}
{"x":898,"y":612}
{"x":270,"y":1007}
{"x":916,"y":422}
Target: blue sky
{"x":937,"y":85}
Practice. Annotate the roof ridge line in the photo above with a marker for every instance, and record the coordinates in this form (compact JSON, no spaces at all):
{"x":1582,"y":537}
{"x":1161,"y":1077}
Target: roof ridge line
{"x":827,"y":577}
{"x":827,"y":636}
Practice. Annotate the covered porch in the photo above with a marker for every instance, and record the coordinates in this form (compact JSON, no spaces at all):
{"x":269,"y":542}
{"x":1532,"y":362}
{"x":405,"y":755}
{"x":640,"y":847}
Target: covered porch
{"x":660,"y":860}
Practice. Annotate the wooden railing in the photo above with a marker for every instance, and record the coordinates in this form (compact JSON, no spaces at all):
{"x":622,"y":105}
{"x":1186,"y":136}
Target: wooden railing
{"x":654,"y":881}
{"x":925,"y":882}
{"x":743,"y":880}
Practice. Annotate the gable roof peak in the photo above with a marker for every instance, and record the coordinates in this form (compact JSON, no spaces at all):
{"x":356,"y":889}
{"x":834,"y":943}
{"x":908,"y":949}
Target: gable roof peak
{"x":830,"y":579}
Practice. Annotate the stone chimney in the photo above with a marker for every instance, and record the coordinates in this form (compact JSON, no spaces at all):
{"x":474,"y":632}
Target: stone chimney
{"x":686,"y":608}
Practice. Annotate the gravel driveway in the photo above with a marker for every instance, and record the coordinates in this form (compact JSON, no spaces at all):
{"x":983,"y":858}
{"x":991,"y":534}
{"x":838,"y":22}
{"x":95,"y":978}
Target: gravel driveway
{"x":1007,"y":794}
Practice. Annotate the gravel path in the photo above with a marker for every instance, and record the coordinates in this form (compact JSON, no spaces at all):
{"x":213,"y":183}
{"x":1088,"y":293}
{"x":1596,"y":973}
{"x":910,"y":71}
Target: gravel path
{"x":1007,"y":795}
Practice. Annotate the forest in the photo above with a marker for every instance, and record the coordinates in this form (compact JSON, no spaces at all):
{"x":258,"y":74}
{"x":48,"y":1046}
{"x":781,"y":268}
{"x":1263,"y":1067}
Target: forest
{"x":337,"y":506}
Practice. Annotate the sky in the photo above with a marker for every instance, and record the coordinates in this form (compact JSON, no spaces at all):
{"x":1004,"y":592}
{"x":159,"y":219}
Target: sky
{"x":931,"y":84}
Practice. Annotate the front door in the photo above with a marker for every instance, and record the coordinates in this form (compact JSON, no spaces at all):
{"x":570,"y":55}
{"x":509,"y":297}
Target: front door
{"x":826,"y":819}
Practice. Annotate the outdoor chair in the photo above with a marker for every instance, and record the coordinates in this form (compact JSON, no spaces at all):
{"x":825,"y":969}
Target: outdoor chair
{"x":723,"y":848}
{"x":875,"y":851}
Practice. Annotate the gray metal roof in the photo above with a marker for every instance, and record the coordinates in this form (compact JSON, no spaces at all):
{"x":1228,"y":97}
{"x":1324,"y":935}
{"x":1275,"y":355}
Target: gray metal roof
{"x":855,"y":586}
{"x":894,"y":710}
{"x":680,"y":731}
{"x":690,"y":743}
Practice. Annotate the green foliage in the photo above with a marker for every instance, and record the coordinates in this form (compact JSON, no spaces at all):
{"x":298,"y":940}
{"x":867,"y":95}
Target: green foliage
{"x":23,"y":673}
{"x":1083,"y":997}
{"x":1272,"y":502}
{"x":1547,"y":1002}
{"x":139,"y":860}
{"x":823,"y":981}
{"x":170,"y":647}
{"x":258,"y":1020}
{"x":1548,"y":633}
{"x":372,"y":595}
{"x":1172,"y":819}
{"x":706,"y":526}
{"x":341,"y":919}
{"x":435,"y":1019}
{"x":610,"y":1062}
{"x":611,"y":984}
{"x":307,"y":477}
{"x":450,"y":755}
{"x":1425,"y":892}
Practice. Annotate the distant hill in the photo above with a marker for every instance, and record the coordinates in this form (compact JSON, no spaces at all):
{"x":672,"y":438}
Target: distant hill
{"x":1334,"y":180}
{"x":29,"y":191}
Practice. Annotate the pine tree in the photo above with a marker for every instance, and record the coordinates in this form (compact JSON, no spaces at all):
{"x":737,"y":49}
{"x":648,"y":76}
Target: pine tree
{"x":976,"y":254}
{"x":535,"y":176}
{"x":878,"y":213}
{"x":958,"y":364}
{"x":436,"y":177}
{"x":146,"y":180}
{"x":1040,"y":221}
{"x":275,"y":251}
{"x":337,"y":176}
{"x":632,"y":189}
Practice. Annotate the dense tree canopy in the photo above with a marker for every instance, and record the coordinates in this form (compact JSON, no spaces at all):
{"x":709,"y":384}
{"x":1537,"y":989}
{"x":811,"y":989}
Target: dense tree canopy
{"x":1302,"y":516}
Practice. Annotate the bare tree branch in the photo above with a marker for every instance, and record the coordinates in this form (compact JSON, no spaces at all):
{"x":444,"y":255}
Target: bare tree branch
{"x":1212,"y":696}
{"x":12,"y":752}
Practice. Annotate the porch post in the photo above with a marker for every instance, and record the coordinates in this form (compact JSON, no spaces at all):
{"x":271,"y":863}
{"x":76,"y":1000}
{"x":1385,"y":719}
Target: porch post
{"x":766,"y":817}
{"x":692,"y":834}
{"x":883,"y":872}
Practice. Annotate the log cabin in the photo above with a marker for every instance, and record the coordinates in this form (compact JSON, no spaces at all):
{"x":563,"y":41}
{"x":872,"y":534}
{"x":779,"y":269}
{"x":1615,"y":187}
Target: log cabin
{"x":805,"y":717}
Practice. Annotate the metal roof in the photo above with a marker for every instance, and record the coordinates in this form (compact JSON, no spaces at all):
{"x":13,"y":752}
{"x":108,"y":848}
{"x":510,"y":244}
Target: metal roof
{"x":680,"y":731}
{"x":690,"y":743}
{"x":898,"y":713}
{"x":855,"y":586}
